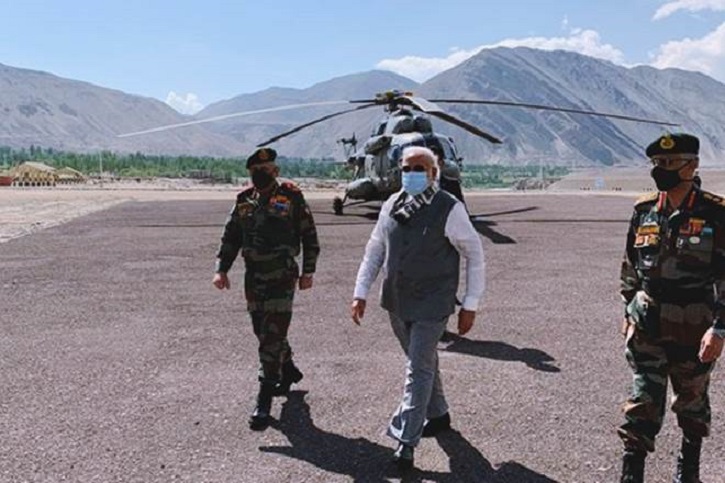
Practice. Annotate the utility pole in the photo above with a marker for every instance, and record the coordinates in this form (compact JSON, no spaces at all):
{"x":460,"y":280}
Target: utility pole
{"x":100,"y":167}
{"x":541,"y":172}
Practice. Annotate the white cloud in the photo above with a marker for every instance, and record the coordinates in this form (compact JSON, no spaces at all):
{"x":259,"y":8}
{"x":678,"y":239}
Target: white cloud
{"x":585,"y":42}
{"x":706,"y":55}
{"x":689,"y":5}
{"x":184,"y":103}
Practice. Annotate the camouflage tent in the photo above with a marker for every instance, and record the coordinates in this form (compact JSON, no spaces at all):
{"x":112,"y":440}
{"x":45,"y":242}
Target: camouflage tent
{"x":33,"y":173}
{"x":69,"y":176}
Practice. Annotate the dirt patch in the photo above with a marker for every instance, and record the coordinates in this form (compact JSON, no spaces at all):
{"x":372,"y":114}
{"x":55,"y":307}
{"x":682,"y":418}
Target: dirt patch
{"x":27,"y":210}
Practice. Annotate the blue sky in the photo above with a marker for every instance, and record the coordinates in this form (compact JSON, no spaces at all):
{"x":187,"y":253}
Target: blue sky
{"x":193,"y":53}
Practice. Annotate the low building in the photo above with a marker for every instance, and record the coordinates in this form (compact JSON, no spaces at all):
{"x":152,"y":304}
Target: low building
{"x":6,"y":177}
{"x":70,"y":176}
{"x":32,"y":173}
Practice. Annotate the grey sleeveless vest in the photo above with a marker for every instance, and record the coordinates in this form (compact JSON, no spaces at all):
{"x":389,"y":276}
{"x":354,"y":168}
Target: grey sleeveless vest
{"x":422,"y":265}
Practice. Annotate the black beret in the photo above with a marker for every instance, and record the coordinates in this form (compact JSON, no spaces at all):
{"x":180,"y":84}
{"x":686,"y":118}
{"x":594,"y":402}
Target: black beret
{"x":677,"y":143}
{"x":260,"y":156}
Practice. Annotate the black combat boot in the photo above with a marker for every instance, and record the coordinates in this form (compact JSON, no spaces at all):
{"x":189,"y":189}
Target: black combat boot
{"x":633,"y":466}
{"x":290,"y":375}
{"x":259,"y":421}
{"x":688,"y":461}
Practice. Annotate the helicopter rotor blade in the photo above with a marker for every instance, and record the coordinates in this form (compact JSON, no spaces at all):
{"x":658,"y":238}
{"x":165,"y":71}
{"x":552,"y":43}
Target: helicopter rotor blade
{"x":423,"y":104}
{"x":557,"y":109}
{"x":308,"y":124}
{"x":430,"y":108}
{"x":468,"y":127}
{"x":229,"y":116}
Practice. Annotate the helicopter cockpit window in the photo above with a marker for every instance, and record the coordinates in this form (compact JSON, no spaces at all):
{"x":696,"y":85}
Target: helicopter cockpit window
{"x":423,"y":124}
{"x":439,"y":145}
{"x":380,"y":129}
{"x":403,"y":125}
{"x":394,"y":154}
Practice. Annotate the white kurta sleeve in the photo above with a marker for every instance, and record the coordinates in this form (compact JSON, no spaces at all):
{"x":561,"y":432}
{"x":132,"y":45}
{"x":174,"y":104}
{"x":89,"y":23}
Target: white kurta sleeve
{"x":465,"y":239}
{"x":375,"y":251}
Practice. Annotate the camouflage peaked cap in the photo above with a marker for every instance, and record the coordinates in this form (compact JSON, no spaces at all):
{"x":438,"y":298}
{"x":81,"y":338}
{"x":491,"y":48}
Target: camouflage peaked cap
{"x":674,"y":144}
{"x":261,"y":156}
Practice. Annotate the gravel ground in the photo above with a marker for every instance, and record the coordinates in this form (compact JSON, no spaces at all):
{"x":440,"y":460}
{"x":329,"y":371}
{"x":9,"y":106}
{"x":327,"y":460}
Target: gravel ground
{"x":121,"y":362}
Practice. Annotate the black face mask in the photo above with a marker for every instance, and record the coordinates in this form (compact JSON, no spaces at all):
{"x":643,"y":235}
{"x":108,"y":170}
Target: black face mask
{"x":667,"y":179}
{"x":261,"y":179}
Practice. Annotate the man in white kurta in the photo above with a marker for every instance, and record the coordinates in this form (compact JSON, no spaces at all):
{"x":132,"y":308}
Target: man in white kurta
{"x":421,"y":234}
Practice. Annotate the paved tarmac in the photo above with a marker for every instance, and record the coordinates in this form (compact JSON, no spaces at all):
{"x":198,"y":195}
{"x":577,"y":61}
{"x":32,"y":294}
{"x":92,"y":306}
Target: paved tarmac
{"x":121,"y":363}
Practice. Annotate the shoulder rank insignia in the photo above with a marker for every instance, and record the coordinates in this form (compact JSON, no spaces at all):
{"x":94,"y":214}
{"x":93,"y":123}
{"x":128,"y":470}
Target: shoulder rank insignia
{"x":647,"y":198}
{"x":289,"y":185}
{"x":713,"y":198}
{"x":245,"y":192}
{"x":246,"y":207}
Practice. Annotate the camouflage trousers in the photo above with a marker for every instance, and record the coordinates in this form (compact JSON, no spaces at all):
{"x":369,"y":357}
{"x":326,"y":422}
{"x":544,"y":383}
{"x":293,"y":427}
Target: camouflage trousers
{"x":274,"y":349}
{"x":269,"y":288}
{"x":654,"y":362}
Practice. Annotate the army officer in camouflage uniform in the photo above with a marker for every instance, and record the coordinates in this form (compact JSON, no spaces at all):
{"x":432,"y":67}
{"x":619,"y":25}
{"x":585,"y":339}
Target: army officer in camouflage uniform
{"x":268,"y":223}
{"x":673,"y":285}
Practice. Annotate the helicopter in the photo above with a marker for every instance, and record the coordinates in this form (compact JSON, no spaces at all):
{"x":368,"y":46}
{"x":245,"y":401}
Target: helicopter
{"x":375,"y":166}
{"x":376,"y":170}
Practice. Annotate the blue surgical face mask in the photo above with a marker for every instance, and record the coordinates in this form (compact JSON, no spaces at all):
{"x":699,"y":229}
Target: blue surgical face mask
{"x":415,"y":182}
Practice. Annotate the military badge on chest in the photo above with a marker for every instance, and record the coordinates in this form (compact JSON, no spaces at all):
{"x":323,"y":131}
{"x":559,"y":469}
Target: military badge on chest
{"x":245,"y":208}
{"x":692,"y":232}
{"x":695,"y":242}
{"x":279,"y":205}
{"x":647,"y":236}
{"x":647,"y":241}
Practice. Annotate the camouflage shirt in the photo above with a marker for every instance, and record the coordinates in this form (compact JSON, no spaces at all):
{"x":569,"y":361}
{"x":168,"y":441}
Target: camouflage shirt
{"x":269,"y":226}
{"x":673,"y":274}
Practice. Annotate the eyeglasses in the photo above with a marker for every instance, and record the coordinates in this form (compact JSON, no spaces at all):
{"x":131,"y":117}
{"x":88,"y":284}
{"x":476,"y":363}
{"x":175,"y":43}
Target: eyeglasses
{"x":418,"y":168}
{"x":670,"y":163}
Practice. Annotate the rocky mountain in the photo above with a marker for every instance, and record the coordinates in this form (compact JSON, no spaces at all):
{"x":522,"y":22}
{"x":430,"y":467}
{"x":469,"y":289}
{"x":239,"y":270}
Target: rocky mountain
{"x":557,"y":78}
{"x":49,"y":111}
{"x":45,"y":110}
{"x":567,"y":79}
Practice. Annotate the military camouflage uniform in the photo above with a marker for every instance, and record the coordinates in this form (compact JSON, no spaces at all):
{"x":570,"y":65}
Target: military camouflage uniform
{"x":268,"y":229}
{"x":672,"y":281}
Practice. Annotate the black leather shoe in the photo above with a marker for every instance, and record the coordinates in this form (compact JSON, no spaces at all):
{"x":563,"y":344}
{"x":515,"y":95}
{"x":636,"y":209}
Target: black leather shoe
{"x":403,"y":457}
{"x":434,"y":426}
{"x":447,"y":336}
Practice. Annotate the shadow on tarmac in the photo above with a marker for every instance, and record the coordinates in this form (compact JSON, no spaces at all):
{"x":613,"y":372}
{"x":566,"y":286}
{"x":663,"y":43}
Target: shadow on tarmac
{"x":365,"y":461}
{"x":500,"y":351}
{"x":484,"y":228}
{"x":358,"y":458}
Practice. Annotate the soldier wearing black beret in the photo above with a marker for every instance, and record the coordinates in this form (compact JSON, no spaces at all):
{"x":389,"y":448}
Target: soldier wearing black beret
{"x":267,"y":224}
{"x":674,"y":145}
{"x":262,"y":156}
{"x":673,"y":287}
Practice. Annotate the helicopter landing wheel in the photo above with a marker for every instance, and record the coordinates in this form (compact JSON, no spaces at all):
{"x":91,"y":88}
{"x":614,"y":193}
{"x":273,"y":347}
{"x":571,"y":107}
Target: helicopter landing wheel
{"x":337,"y":205}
